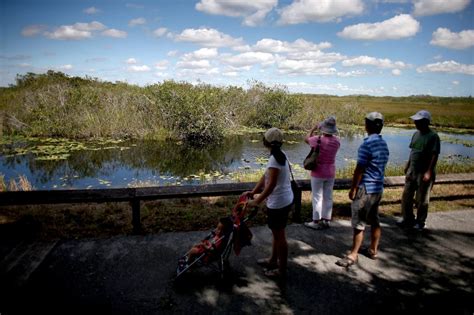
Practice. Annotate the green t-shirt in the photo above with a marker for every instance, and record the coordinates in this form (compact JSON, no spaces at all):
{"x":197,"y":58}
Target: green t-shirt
{"x":423,"y":147}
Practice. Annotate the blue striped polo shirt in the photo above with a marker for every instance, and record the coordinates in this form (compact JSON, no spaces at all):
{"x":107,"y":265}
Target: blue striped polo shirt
{"x":373,"y":155}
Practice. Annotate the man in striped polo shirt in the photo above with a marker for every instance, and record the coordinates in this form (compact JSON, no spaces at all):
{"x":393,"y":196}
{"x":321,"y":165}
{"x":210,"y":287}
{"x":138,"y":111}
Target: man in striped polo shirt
{"x":367,"y":188}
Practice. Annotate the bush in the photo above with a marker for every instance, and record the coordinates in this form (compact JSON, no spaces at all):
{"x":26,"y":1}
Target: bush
{"x":191,"y":113}
{"x":270,"y":106}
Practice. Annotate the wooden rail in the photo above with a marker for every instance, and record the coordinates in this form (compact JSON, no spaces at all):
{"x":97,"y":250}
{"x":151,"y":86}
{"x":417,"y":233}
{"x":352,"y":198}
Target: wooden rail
{"x":135,"y":195}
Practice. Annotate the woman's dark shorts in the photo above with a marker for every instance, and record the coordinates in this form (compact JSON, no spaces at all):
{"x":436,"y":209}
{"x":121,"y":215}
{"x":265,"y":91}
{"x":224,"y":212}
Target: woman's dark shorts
{"x":277,"y":218}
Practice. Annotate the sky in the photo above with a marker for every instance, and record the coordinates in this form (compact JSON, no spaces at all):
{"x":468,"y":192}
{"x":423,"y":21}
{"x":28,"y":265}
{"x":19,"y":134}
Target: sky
{"x":337,"y":47}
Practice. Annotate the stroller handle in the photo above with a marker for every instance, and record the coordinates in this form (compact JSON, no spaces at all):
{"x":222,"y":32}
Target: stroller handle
{"x":252,"y":213}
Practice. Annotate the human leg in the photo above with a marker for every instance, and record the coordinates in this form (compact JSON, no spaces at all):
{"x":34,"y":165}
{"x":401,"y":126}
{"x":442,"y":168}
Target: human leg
{"x":277,"y":220}
{"x":326,"y":213}
{"x":358,"y":209}
{"x":407,"y":202}
{"x":375,"y":234}
{"x":317,"y":197}
{"x":422,"y":202}
{"x":281,"y":247}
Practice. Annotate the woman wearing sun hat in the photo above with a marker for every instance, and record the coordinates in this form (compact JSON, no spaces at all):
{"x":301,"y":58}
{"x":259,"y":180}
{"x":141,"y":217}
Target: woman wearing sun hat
{"x":275,"y":187}
{"x":322,"y":177}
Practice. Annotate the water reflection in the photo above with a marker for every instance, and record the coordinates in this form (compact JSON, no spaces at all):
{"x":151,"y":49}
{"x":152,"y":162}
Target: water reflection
{"x":161,"y":163}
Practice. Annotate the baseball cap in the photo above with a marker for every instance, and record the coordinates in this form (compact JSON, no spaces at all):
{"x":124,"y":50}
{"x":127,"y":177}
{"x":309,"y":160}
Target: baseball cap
{"x":274,"y":135}
{"x":422,"y":114}
{"x":373,"y":116}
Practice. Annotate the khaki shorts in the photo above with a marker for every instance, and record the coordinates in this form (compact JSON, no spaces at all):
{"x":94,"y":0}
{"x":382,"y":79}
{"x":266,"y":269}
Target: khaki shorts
{"x":365,"y":209}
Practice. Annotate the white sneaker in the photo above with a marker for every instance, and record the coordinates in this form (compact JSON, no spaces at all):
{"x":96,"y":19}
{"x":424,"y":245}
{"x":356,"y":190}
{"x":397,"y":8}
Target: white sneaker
{"x":315,"y":226}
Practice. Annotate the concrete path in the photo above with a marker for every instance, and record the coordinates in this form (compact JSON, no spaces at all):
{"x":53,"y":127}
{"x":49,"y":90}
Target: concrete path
{"x":419,"y":273}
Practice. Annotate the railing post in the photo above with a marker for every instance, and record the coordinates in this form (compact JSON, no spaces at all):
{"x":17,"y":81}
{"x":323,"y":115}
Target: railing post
{"x":297,"y":202}
{"x":136,"y":222}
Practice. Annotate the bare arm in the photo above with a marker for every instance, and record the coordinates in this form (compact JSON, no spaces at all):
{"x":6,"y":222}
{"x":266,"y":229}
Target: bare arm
{"x":272,"y":181}
{"x":356,"y":178}
{"x":257,"y":189}
{"x":310,"y":133}
{"x":429,"y":173}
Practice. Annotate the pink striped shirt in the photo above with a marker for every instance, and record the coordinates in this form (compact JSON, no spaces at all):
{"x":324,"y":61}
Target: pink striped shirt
{"x":327,"y":156}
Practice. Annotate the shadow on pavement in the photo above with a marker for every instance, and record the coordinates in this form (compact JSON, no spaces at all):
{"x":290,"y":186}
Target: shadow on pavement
{"x":419,"y":273}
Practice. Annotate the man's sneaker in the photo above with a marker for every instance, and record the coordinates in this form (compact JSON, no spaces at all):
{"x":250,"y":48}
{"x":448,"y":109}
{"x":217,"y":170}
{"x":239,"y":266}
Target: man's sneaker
{"x":419,"y":226}
{"x":404,"y":224}
{"x":316,"y":226}
{"x":325,"y":223}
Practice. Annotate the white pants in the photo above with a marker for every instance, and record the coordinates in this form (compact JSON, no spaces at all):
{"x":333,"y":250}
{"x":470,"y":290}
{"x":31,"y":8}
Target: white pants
{"x":321,"y":189}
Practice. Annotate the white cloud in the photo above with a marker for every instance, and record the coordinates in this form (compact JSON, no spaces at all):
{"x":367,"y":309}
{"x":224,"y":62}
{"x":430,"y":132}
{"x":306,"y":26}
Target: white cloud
{"x":159,"y":32}
{"x":336,"y":88}
{"x":448,"y":67}
{"x":303,"y":11}
{"x":355,"y":73}
{"x":278,"y":46}
{"x":131,"y":61}
{"x":193,"y":64}
{"x":371,"y":61}
{"x":253,"y":12}
{"x":172,"y":53}
{"x":91,"y":10}
{"x":230,"y":73}
{"x":208,"y":37}
{"x":455,"y":82}
{"x":433,"y":7}
{"x":134,"y":68}
{"x":93,"y":26}
{"x":32,"y":30}
{"x":162,"y":65}
{"x":203,"y":53}
{"x":400,"y":26}
{"x":77,"y":31}
{"x":114,"y":33}
{"x":248,"y":59}
{"x":137,"y":21}
{"x":396,"y":72}
{"x":187,"y":73}
{"x":66,"y":32}
{"x":318,"y":56}
{"x":65,"y":67}
{"x":161,"y":74}
{"x":445,"y":38}
{"x":305,"y":67}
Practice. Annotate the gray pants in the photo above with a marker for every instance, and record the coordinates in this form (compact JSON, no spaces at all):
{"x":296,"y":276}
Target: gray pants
{"x":416,"y":187}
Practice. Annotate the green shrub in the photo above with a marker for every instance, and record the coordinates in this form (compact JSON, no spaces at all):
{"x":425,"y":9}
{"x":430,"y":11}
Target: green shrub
{"x":191,"y":112}
{"x":270,"y":106}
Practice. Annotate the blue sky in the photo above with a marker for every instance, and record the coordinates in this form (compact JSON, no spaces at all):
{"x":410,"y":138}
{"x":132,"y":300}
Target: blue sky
{"x":339,"y":47}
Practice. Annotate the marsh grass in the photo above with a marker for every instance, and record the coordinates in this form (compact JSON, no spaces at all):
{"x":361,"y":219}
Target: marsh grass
{"x":54,"y":104}
{"x":21,"y":184}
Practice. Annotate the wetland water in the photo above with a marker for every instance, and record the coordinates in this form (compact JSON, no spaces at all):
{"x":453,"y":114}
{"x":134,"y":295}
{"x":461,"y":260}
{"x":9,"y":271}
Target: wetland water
{"x":56,"y":164}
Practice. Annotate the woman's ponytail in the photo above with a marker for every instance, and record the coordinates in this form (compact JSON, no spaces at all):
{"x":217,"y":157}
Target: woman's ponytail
{"x":279,"y":156}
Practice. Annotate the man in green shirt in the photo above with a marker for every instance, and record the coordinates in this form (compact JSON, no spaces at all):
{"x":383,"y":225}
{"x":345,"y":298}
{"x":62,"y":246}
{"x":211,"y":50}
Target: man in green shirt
{"x":420,"y":171}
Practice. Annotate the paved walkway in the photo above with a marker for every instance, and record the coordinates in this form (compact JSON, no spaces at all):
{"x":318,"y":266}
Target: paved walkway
{"x":420,"y":273}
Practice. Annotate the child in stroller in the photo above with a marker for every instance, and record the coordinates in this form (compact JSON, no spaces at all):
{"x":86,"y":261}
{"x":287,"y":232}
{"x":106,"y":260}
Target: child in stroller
{"x":230,"y":232}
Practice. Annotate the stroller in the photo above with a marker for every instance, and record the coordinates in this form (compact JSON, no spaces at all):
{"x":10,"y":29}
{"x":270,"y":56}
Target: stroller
{"x":231,"y":233}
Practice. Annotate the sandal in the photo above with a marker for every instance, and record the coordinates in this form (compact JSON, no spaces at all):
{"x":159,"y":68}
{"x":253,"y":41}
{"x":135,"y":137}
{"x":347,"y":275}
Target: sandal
{"x":265,"y":263}
{"x":274,"y":273}
{"x":346,"y":262}
{"x":370,"y":253}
